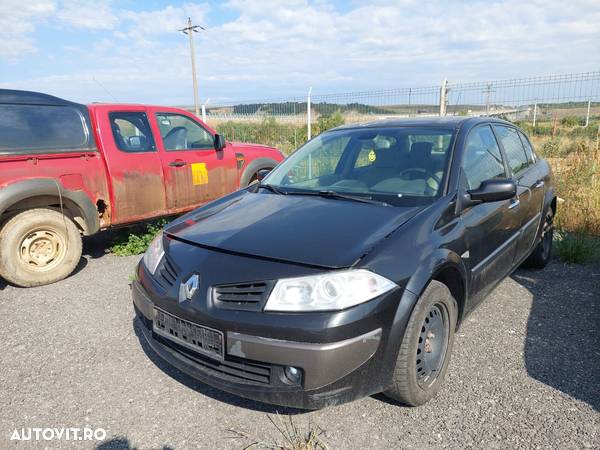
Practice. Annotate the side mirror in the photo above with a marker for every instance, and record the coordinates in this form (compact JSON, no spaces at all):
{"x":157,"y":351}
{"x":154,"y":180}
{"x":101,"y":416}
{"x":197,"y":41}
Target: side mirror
{"x":492,"y":190}
{"x":219,"y":142}
{"x":262,"y":173}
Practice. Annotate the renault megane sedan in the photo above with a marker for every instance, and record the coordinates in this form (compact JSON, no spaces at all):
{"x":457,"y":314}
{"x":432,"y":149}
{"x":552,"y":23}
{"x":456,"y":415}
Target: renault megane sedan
{"x":347,"y":269}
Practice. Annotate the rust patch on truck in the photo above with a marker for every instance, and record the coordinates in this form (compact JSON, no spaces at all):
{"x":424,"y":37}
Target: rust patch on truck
{"x":138,"y":196}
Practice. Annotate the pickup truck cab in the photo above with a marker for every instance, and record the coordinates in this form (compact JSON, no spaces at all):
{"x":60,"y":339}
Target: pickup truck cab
{"x":68,"y":170}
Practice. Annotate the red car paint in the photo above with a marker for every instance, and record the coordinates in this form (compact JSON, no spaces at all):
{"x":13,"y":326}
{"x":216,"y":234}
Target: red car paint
{"x":128,"y":187}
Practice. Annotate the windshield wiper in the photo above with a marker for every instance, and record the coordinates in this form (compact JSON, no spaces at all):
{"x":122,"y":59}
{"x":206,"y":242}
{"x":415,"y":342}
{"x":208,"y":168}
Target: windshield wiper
{"x":338,"y":195}
{"x":271,"y":188}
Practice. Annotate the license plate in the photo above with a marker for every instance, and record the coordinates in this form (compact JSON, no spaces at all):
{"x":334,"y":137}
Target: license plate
{"x":195,"y":337}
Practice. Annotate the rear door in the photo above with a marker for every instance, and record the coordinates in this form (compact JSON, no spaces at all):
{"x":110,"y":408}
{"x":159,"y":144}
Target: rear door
{"x":530,"y":186}
{"x":134,"y":166}
{"x":492,"y":229}
{"x":195,"y":172}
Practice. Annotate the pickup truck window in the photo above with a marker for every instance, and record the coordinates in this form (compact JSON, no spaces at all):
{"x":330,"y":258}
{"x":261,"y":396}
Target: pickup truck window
{"x":179,"y":132}
{"x":131,"y":132}
{"x":482,"y":159}
{"x":517,"y":159}
{"x":41,"y":127}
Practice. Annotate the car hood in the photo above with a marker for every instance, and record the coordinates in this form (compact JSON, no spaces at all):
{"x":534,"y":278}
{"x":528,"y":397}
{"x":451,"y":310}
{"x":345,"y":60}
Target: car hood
{"x":306,"y":230}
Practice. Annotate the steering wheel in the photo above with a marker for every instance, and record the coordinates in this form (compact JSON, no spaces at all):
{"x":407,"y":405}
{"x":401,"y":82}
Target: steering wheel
{"x":427,"y":173}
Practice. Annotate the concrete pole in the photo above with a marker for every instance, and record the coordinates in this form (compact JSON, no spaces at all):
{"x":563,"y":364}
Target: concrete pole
{"x":587,"y":116}
{"x":193,"y":54}
{"x":534,"y":113}
{"x":443,"y":93}
{"x":308,"y":118}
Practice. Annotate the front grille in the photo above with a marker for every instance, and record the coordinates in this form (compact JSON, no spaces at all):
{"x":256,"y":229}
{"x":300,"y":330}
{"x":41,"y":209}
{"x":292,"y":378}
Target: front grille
{"x":243,"y":296}
{"x":166,"y":274}
{"x":232,"y":369}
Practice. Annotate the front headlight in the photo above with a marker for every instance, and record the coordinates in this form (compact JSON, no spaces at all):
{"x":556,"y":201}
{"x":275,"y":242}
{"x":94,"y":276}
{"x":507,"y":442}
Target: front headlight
{"x":328,"y":292}
{"x":154,"y":253}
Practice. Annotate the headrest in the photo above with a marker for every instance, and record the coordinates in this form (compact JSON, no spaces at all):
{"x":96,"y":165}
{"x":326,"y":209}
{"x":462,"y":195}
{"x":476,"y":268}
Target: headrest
{"x":421,"y":150}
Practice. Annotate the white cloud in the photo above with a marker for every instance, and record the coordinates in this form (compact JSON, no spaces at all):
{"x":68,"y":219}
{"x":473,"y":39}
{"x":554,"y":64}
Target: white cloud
{"x":17,"y":23}
{"x":88,"y":14}
{"x":273,"y":48}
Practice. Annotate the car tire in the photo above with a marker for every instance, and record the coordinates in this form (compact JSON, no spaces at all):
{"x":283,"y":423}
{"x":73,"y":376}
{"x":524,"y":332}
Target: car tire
{"x":425,"y":351}
{"x":542,"y":253}
{"x":37,"y":247}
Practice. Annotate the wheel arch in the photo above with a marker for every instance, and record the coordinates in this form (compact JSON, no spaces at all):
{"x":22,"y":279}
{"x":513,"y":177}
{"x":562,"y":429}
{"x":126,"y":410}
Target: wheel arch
{"x":253,"y":167}
{"x":448,"y":268}
{"x":47,"y":192}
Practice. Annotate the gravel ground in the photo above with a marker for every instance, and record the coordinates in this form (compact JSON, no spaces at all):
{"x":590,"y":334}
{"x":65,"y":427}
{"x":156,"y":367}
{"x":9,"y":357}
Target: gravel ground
{"x":525,"y":373}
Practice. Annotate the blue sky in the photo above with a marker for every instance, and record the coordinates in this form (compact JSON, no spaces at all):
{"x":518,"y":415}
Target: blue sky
{"x":259,"y":49}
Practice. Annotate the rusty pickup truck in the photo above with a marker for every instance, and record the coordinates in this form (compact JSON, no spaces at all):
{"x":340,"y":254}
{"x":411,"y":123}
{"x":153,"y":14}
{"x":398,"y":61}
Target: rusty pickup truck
{"x":68,"y":170}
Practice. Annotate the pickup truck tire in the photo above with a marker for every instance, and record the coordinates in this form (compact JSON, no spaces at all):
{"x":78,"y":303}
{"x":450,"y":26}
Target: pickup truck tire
{"x":38,"y":246}
{"x":426,"y":347}
{"x":542,"y":253}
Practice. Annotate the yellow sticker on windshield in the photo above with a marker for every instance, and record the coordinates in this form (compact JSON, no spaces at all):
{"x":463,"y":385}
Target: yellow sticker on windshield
{"x":372,"y":156}
{"x":199,"y":174}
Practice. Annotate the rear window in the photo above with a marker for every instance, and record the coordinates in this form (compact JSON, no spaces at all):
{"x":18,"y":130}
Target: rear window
{"x":37,"y":128}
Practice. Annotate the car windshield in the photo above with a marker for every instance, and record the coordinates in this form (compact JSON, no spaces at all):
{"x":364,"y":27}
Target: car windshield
{"x":398,"y":166}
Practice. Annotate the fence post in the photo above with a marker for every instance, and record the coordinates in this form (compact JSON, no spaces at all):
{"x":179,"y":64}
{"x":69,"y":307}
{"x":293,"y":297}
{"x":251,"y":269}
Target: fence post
{"x":308,"y":127}
{"x":534,"y":113}
{"x":308,"y":132}
{"x":204,"y":110}
{"x":587,"y":116}
{"x":443,"y":99}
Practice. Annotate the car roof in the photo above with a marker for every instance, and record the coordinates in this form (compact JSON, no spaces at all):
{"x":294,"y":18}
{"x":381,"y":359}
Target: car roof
{"x":446,"y":121}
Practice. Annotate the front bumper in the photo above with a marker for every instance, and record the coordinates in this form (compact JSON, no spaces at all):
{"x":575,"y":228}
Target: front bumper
{"x":333,"y":371}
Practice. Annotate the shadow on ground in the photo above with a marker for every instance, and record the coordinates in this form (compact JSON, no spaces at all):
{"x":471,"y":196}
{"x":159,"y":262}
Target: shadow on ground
{"x":562,"y":345}
{"x":122,"y":443}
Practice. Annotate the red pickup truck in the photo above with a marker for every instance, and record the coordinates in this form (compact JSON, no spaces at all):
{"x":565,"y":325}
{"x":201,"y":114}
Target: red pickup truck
{"x":68,"y":170}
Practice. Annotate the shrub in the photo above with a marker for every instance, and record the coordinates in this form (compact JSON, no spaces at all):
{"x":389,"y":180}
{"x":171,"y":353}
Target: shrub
{"x":552,"y":148}
{"x":135,"y":240}
{"x":576,"y":248}
{"x":570,"y":121}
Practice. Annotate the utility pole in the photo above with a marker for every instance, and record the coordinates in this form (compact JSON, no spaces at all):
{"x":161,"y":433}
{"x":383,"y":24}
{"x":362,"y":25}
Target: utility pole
{"x":488,"y":91}
{"x":190,"y":30}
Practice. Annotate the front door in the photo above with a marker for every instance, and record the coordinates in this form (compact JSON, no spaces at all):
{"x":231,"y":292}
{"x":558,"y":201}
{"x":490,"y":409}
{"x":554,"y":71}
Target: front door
{"x":530,"y":187}
{"x":195,"y":173}
{"x":492,"y":229}
{"x":133,"y":164}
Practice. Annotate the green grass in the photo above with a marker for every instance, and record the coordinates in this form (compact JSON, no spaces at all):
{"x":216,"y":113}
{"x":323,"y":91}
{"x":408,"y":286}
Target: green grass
{"x":576,"y":248}
{"x":135,"y":240}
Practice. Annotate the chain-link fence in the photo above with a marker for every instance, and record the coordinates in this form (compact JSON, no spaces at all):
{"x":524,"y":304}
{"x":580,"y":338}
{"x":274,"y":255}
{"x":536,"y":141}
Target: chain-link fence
{"x":540,"y":101}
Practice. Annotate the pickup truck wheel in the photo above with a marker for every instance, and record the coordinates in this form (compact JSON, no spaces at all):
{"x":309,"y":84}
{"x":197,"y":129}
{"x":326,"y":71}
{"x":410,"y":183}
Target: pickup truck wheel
{"x":37,"y":247}
{"x":542,"y":253}
{"x":425,"y":350}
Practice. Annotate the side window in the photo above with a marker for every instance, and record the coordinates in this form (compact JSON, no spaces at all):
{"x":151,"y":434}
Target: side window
{"x":179,"y":132}
{"x":528,"y":148}
{"x":131,"y":132}
{"x":41,"y":127}
{"x":515,"y":153}
{"x":482,"y":159}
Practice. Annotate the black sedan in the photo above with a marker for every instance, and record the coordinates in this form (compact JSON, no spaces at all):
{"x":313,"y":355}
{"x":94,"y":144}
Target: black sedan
{"x":347,"y":269}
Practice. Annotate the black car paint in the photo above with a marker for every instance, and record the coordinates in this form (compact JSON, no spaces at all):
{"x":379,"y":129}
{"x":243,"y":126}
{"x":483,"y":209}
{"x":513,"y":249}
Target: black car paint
{"x":470,"y":248}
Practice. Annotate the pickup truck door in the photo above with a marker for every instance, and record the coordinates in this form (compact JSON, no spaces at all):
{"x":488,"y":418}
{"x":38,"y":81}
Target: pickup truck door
{"x":195,"y":173}
{"x":491,"y":229}
{"x":133,"y":164}
{"x":530,"y":186}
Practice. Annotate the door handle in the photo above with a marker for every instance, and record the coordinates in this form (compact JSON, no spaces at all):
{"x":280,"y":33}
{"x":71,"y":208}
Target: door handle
{"x":177,"y":163}
{"x":539,"y":184}
{"x":514,"y":203}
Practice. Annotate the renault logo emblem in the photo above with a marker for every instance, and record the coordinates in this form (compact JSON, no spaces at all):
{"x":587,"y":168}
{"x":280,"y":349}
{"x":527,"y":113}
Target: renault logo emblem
{"x":189,"y":288}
